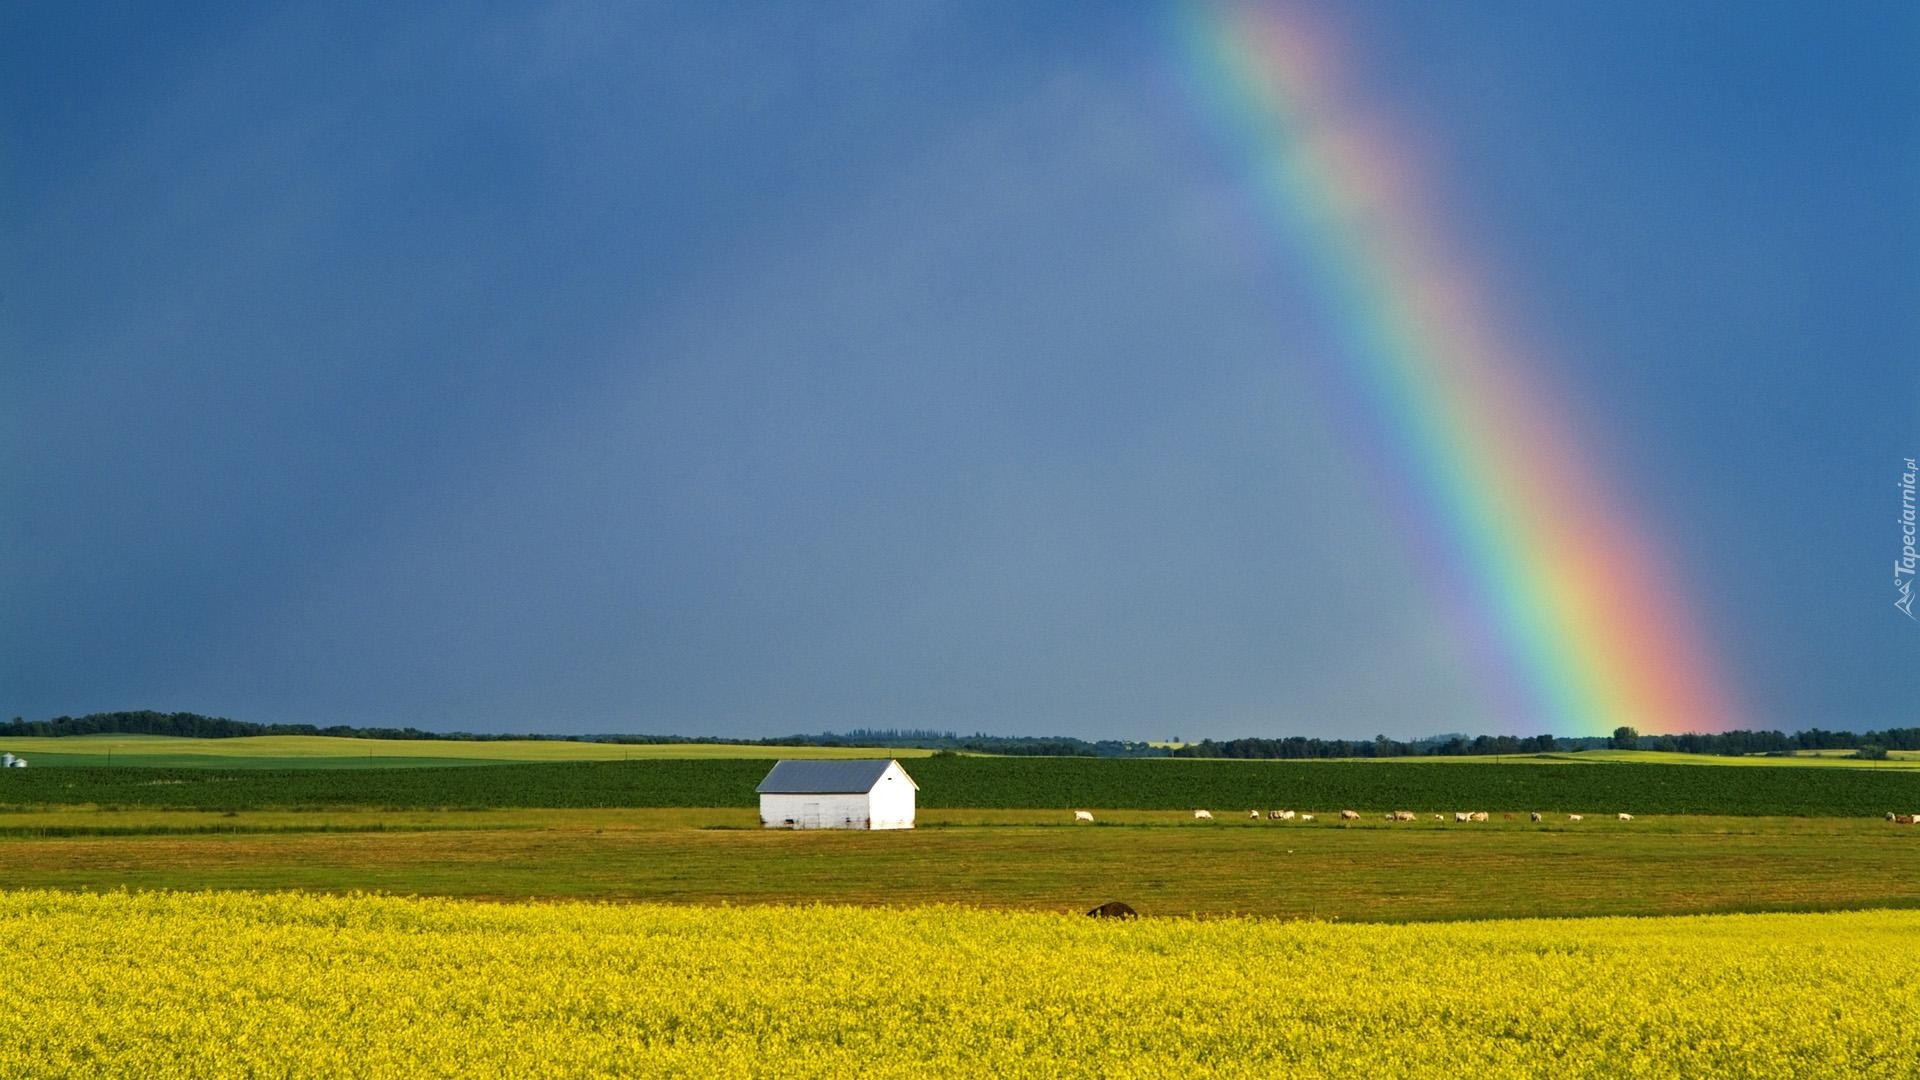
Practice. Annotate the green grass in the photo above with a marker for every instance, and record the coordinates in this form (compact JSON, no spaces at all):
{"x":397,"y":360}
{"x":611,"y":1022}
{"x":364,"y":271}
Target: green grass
{"x":1159,"y":861}
{"x":327,"y":752}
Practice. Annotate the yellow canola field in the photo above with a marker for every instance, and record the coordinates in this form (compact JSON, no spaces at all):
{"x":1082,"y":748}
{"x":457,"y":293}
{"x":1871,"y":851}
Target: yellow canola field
{"x":225,"y":984}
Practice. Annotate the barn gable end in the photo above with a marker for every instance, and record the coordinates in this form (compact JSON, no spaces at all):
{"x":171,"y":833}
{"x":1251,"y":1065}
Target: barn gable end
{"x":845,"y":794}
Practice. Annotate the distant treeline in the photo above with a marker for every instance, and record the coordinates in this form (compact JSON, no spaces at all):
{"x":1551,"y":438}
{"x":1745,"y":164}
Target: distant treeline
{"x":1732,"y":743}
{"x":195,"y":726}
{"x":978,"y":743}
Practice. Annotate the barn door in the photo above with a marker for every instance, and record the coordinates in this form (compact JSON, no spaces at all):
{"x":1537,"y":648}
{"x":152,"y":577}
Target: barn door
{"x":810,"y":815}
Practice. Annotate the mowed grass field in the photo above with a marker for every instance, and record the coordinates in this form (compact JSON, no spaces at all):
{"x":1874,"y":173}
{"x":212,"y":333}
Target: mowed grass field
{"x":329,"y":752}
{"x":1160,"y":862}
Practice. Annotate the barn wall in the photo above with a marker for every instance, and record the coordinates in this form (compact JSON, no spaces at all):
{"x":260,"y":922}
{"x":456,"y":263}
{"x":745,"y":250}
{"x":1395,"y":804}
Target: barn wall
{"x":892,"y":801}
{"x":813,"y":811}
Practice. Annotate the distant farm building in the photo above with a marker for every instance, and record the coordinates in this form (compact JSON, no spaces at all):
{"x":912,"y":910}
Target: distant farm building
{"x":854,"y":794}
{"x":8,"y":761}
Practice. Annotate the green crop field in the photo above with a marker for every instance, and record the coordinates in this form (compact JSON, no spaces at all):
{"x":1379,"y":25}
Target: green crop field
{"x":1010,"y":783}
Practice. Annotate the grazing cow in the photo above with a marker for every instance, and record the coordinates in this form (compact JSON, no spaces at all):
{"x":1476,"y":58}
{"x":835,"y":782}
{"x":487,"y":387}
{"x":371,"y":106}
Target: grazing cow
{"x":1462,"y":815}
{"x":1439,"y":817}
{"x":1534,"y":817}
{"x":1306,"y":817}
{"x":1114,"y":909}
{"x":1576,"y":817}
{"x":1203,"y":815}
{"x":1349,"y":815}
{"x":1082,"y":815}
{"x":1287,"y":815}
{"x":1626,"y":817}
{"x":1276,"y":815}
{"x":1478,"y":815}
{"x":1403,"y":815}
{"x":1906,"y":819}
{"x":1253,"y":815}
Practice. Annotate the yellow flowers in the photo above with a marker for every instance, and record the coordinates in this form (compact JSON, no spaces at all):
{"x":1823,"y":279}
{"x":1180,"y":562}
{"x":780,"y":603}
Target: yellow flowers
{"x":184,"y":984}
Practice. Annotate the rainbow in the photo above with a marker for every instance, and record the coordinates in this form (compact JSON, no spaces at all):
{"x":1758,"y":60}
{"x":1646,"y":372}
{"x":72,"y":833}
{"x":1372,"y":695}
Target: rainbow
{"x":1571,"y":612}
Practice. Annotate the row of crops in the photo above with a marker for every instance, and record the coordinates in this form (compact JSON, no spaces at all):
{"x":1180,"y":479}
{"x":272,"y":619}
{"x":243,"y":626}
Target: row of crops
{"x":985,"y":783}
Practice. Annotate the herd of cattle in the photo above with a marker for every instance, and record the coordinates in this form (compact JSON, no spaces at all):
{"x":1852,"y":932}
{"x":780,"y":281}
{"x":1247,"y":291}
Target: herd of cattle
{"x":1397,"y":815}
{"x":1458,"y":815}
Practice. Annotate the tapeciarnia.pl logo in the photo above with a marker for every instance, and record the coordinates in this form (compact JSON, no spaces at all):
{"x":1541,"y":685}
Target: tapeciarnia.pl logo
{"x":1903,"y":566}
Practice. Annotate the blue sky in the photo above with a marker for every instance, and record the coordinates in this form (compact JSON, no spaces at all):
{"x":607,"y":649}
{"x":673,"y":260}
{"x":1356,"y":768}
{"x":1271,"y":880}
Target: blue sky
{"x":752,"y":369}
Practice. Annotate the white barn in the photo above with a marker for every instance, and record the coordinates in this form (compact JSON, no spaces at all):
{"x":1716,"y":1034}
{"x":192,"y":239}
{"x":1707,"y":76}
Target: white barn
{"x":846,"y":794}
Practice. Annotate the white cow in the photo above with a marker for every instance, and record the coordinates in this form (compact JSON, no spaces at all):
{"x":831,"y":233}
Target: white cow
{"x":1534,"y":817}
{"x":1462,"y":815}
{"x":1082,"y":815}
{"x":1576,"y":817}
{"x":1203,"y":815}
{"x":1254,"y":814}
{"x":1349,"y":815}
{"x":1439,"y":817}
{"x":1403,"y":815}
{"x":1287,"y":815}
{"x":1478,"y":815}
{"x":1306,"y":817}
{"x":1626,"y":817}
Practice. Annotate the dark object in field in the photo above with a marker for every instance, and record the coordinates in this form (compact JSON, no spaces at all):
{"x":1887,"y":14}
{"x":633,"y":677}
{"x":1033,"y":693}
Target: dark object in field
{"x":1114,"y":909}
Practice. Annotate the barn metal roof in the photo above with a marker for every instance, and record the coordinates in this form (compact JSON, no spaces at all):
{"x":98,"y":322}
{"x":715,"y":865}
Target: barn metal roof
{"x":843,"y":777}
